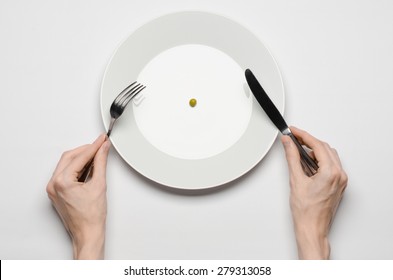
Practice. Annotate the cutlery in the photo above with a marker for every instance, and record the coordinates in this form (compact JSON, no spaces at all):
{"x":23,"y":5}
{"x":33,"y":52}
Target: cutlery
{"x":116,"y":110}
{"x":309,"y":165}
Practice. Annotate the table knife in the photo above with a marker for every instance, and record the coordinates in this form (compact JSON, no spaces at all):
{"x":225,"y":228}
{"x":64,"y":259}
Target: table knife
{"x":309,"y":165}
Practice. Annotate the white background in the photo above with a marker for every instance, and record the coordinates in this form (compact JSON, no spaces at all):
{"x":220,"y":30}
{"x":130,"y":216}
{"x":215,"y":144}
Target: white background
{"x":337,"y":65}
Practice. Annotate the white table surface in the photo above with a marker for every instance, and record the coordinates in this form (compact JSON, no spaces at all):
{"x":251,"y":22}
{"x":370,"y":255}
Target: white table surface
{"x":337,"y":65}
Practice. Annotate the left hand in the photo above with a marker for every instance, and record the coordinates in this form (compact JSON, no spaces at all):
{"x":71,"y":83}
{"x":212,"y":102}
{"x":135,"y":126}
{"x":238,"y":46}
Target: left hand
{"x":82,"y":206}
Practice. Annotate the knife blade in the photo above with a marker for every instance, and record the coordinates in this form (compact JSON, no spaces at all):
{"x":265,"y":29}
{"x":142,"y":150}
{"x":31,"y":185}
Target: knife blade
{"x":309,"y":165}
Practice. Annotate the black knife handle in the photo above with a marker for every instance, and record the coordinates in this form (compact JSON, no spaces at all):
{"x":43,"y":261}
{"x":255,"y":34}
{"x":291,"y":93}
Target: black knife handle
{"x":86,"y":172}
{"x":309,"y":165}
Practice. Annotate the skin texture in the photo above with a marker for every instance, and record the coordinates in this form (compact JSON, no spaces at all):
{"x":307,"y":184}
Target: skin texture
{"x":314,"y":200}
{"x":82,"y":206}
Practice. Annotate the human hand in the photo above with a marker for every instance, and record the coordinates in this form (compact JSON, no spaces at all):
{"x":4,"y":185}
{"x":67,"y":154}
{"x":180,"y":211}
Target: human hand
{"x":82,"y":206}
{"x":314,"y":200}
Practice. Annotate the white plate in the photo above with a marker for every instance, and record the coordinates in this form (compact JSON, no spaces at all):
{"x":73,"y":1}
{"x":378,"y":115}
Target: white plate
{"x":192,"y":55}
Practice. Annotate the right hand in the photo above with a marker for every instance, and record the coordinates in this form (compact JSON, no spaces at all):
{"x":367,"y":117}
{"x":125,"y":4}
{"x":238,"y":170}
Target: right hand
{"x":314,"y":200}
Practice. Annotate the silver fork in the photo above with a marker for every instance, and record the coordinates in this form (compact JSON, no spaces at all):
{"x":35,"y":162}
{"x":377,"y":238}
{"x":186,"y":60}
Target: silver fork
{"x":116,"y":110}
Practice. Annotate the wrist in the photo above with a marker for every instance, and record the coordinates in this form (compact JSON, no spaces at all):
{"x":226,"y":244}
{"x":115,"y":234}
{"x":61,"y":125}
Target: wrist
{"x":312,"y":245}
{"x":89,"y":246}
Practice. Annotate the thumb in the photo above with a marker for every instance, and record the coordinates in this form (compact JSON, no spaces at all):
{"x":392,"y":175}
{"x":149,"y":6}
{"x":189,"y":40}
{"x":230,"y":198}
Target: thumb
{"x":86,"y":153}
{"x":293,"y":156}
{"x":100,"y":161}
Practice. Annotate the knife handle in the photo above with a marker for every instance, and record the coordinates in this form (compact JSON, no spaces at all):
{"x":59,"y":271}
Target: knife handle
{"x":309,"y":165}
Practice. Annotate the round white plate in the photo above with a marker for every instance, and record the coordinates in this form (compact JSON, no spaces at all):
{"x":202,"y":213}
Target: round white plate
{"x":184,"y":56}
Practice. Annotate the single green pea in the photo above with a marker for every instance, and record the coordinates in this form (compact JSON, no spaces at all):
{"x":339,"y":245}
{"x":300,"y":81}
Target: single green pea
{"x":193,"y":102}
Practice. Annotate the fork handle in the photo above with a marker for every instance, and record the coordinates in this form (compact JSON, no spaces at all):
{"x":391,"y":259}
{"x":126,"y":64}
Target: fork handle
{"x":86,"y":172}
{"x":111,"y":126}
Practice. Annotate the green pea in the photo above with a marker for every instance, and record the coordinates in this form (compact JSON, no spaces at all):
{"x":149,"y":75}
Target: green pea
{"x":193,"y":102}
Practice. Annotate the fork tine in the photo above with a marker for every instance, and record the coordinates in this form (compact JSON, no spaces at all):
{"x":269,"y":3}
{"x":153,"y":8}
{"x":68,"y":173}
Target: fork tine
{"x":129,"y":93}
{"x":123,"y":92}
{"x":131,"y":96}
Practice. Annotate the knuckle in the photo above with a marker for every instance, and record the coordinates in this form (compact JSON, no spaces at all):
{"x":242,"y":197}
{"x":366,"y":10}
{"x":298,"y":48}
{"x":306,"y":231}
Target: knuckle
{"x":65,"y":155}
{"x":344,"y":179}
{"x":326,"y":145}
{"x":335,"y":153}
{"x":337,"y":176}
{"x":332,"y":174}
{"x":50,"y":190}
{"x":335,"y":172}
{"x":59,"y":182}
{"x":320,"y":143}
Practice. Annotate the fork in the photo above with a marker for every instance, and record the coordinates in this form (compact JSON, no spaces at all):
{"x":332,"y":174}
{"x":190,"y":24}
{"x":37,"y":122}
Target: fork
{"x":116,"y":110}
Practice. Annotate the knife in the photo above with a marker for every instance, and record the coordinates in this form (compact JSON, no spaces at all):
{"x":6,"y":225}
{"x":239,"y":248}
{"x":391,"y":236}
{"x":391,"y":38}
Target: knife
{"x":309,"y":165}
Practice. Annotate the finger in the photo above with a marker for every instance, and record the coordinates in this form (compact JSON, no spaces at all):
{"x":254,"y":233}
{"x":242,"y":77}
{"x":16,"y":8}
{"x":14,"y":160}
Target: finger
{"x":320,"y":150}
{"x":85,"y":155}
{"x":293,"y":157}
{"x":343,"y":175}
{"x":66,"y":158}
{"x":332,"y":154}
{"x":304,"y":137}
{"x":335,"y":157}
{"x":100,"y":162}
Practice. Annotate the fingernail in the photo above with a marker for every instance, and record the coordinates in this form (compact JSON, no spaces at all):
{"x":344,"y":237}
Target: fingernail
{"x":286,"y":141}
{"x":107,"y":145}
{"x":102,"y":138}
